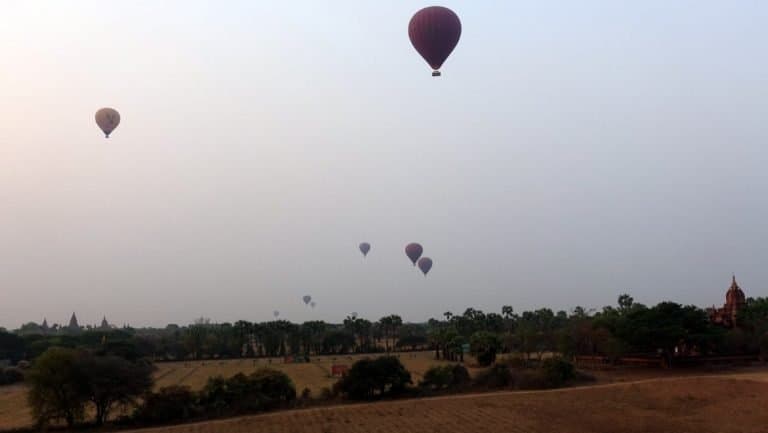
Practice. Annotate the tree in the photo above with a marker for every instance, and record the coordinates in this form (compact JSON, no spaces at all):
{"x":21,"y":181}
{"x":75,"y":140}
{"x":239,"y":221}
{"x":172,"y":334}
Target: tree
{"x":625,"y":303}
{"x":11,"y":346}
{"x":484,"y":346}
{"x":111,"y":381}
{"x":369,"y":378}
{"x":58,"y":388}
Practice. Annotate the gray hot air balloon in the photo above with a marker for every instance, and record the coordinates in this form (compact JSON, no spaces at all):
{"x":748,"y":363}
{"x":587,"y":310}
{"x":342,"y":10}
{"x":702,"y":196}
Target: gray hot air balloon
{"x":312,"y":304}
{"x":275,"y":313}
{"x":364,"y":248}
{"x":306,"y":299}
{"x":107,"y":119}
{"x":425,"y":264}
{"x":413,"y":251}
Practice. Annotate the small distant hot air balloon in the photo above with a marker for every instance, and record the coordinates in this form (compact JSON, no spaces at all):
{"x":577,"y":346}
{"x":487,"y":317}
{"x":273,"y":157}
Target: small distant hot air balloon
{"x":413,"y":251}
{"x":364,"y":248}
{"x":275,"y":313}
{"x":425,"y":264}
{"x":306,"y":299}
{"x":107,"y":119}
{"x":312,"y":304}
{"x":434,"y":32}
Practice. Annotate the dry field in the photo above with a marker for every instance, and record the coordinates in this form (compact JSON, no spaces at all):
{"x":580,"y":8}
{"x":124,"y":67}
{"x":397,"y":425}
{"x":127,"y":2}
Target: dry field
{"x":631,"y":400}
{"x":714,"y":404}
{"x":314,"y":375}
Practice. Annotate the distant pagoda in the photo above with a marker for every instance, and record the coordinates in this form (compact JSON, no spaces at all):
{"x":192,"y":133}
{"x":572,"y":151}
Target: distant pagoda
{"x":73,"y":326}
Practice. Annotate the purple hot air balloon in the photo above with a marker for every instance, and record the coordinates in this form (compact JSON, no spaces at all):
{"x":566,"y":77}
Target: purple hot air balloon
{"x":434,"y":32}
{"x":364,"y":248}
{"x":275,"y":313}
{"x":413,"y":251}
{"x":425,"y":264}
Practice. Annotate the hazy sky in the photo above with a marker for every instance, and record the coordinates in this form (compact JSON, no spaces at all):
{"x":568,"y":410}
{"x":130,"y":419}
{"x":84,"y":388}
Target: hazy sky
{"x":571,"y":151}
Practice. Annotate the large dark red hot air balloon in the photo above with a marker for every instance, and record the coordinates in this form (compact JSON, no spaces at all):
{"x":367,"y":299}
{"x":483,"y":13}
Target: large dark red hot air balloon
{"x":434,"y":32}
{"x":413,"y":251}
{"x":425,"y":264}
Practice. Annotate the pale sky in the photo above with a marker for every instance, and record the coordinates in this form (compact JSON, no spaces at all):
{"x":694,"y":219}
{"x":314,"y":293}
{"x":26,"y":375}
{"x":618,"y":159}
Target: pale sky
{"x":571,"y":151}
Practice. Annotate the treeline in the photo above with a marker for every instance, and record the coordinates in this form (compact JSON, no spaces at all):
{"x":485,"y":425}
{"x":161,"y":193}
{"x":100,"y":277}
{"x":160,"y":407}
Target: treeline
{"x":628,"y":327}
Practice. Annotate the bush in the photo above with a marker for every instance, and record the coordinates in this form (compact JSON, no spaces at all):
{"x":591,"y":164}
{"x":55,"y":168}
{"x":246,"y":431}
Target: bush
{"x":368,"y":378}
{"x":557,"y":371}
{"x":275,"y":386}
{"x":437,"y":377}
{"x":169,"y":404}
{"x":460,"y":376}
{"x":11,"y":375}
{"x":327,"y":393}
{"x":262,"y":390}
{"x":445,"y":376}
{"x":498,"y":376}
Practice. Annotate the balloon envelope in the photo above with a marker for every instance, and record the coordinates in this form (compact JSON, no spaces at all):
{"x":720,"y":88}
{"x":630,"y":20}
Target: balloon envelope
{"x":306,"y":299}
{"x":425,"y":264}
{"x":275,"y":313}
{"x":313,"y":303}
{"x":413,"y":251}
{"x":434,"y":32}
{"x":364,"y":248}
{"x":107,"y":119}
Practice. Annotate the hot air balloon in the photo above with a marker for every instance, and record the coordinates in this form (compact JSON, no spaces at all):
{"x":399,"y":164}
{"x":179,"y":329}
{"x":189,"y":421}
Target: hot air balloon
{"x":107,"y":119}
{"x":275,"y":313}
{"x":413,"y":251}
{"x":306,"y":299}
{"x":434,"y":32}
{"x":312,"y":304}
{"x":364,"y":248}
{"x":425,"y":264}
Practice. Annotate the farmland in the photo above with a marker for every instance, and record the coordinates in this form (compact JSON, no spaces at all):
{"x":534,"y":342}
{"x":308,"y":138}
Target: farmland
{"x":313,"y":375}
{"x":700,"y":404}
{"x":638,"y":400}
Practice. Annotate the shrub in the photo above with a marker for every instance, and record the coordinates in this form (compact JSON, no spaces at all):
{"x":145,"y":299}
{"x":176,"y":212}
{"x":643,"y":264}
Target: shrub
{"x":264,"y":389}
{"x":275,"y":386}
{"x":445,"y":376}
{"x":557,"y":371}
{"x":437,"y":377}
{"x":306,"y":394}
{"x":327,"y":393}
{"x":498,"y":376}
{"x":169,"y":404}
{"x":460,"y":376}
{"x":371,"y":378}
{"x":11,"y":375}
{"x":530,"y":378}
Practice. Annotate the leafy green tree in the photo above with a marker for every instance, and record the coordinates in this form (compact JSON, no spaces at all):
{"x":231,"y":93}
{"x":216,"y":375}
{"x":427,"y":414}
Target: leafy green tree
{"x":110,"y":381}
{"x":484,"y":346}
{"x":58,"y":387}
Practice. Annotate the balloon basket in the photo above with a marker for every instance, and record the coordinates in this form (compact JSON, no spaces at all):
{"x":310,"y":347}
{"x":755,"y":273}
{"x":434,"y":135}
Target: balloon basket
{"x":436,"y":73}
